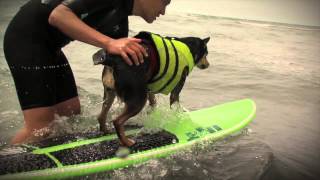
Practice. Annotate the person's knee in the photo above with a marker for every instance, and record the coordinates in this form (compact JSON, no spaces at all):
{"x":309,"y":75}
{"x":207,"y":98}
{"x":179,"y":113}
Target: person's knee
{"x":76,"y":109}
{"x":68,"y":108}
{"x":38,"y":118}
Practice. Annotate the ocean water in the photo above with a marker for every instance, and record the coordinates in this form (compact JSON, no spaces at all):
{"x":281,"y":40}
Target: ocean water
{"x":275,"y":64}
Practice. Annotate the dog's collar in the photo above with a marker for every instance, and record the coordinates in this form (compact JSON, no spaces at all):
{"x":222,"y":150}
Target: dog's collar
{"x":153,"y":62}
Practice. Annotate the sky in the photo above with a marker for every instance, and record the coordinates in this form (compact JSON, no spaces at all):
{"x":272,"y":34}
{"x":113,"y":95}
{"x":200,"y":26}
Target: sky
{"x":301,"y":12}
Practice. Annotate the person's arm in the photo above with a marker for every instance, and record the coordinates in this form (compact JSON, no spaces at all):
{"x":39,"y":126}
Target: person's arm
{"x":66,"y":21}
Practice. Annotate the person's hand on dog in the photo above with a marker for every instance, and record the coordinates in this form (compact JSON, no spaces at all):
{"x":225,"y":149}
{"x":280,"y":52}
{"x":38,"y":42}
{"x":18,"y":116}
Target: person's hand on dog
{"x":127,"y":47}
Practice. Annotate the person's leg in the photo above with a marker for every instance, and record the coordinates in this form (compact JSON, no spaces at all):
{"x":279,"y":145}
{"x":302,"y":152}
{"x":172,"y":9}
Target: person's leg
{"x":68,"y":108}
{"x":55,"y":92}
{"x":38,"y":71}
{"x":34,"y":119}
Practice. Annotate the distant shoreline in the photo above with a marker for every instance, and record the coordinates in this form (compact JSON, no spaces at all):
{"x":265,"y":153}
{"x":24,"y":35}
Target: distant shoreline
{"x":309,"y":27}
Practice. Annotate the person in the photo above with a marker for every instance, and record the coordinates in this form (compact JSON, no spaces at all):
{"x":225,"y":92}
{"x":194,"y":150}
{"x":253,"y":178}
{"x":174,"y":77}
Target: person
{"x":33,"y":40}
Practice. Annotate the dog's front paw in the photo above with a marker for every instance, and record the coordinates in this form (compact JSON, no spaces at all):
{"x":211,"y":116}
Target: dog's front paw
{"x":174,"y":99}
{"x":127,"y":142}
{"x":123,"y":152}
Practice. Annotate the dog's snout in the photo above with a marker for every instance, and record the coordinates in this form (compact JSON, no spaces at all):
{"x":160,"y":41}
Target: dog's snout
{"x":203,"y":63}
{"x":203,"y":66}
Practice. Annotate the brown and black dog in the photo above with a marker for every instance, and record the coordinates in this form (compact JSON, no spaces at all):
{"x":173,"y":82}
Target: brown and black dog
{"x":130,"y":83}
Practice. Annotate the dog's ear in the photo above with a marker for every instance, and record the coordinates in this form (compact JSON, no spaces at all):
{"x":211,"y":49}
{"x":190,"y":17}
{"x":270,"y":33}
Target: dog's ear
{"x":206,"y":40}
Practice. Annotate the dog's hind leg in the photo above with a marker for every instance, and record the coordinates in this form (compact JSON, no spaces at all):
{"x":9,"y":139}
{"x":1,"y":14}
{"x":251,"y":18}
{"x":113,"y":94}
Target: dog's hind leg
{"x":131,"y":109}
{"x":108,"y":98}
{"x":152,"y":99}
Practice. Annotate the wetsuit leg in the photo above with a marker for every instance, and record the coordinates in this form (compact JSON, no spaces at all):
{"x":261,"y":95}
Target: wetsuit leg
{"x":42,"y":79}
{"x":65,"y":82}
{"x":42,"y":75}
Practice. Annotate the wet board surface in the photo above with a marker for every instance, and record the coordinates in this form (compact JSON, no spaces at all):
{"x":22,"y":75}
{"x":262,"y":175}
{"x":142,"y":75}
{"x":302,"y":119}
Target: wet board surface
{"x":85,"y":153}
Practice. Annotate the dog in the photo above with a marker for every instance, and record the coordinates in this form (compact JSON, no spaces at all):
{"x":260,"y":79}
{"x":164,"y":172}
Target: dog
{"x":165,"y":69}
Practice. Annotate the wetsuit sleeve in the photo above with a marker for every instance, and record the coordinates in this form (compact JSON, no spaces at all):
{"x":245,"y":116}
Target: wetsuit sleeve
{"x":80,"y":7}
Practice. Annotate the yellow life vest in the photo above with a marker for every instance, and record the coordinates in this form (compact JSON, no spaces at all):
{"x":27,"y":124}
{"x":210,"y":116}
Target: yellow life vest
{"x":174,"y":57}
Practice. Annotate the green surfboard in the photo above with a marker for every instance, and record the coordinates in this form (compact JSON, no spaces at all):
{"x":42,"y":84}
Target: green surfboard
{"x":85,"y":154}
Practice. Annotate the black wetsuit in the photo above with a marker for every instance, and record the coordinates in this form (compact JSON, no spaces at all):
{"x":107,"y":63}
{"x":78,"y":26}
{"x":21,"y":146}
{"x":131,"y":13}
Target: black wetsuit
{"x":32,"y":47}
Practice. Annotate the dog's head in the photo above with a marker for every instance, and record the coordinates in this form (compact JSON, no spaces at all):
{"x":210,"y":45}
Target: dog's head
{"x":199,"y":50}
{"x":201,"y":56}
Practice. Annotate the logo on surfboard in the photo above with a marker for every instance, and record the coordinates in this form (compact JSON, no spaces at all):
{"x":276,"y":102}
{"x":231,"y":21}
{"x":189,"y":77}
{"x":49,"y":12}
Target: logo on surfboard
{"x":201,"y":131}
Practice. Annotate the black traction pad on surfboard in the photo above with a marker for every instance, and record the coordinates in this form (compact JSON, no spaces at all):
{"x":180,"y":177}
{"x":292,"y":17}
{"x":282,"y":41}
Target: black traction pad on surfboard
{"x":27,"y":161}
{"x":76,"y":136}
{"x":68,"y":138}
{"x":24,"y":162}
{"x":108,"y":149}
